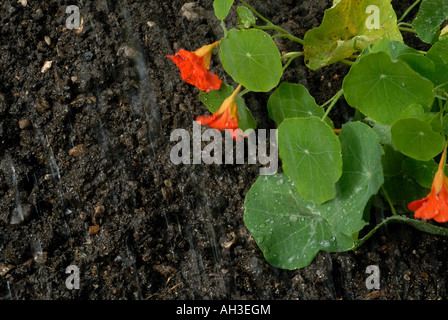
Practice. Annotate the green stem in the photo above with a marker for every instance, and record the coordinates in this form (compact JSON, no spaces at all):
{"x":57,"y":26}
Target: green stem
{"x":326,"y":102}
{"x":408,"y":10}
{"x":440,"y":86}
{"x":290,"y":56}
{"x":270,"y":26}
{"x":405,"y":24}
{"x":347,"y":62}
{"x":242,"y":93}
{"x":389,"y":201}
{"x":284,"y":35}
{"x":361,"y":241}
{"x":418,"y":224}
{"x":224,"y":28}
{"x":256,"y":12}
{"x":283,"y":32}
{"x":333,"y":102}
{"x":407,"y":29}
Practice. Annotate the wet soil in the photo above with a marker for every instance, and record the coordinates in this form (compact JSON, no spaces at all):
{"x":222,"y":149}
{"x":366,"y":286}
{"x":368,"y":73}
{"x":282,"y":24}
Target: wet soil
{"x":85,"y":159}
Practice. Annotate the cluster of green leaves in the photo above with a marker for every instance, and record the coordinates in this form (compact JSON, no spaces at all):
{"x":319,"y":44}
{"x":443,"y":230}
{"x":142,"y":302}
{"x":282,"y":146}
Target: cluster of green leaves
{"x":322,"y":199}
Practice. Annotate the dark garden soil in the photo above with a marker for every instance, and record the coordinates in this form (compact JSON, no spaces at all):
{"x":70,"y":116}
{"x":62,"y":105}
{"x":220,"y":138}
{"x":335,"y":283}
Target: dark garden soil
{"x":85,"y":156}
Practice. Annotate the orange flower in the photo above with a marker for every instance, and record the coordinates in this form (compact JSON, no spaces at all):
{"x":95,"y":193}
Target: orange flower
{"x":226,"y":117}
{"x":194,"y":67}
{"x":435,"y":205}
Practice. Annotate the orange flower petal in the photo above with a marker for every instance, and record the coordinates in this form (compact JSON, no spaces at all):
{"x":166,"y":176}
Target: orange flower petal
{"x":206,"y":119}
{"x":193,"y":71}
{"x":224,"y":121}
{"x":226,"y":117}
{"x":435,"y":205}
{"x":429,"y":208}
{"x":415,"y":205}
{"x":442,"y":215}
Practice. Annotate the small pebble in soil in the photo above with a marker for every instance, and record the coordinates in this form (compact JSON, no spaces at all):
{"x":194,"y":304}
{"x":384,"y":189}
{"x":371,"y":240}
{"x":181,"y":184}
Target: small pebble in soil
{"x":24,"y":123}
{"x":47,"y":40}
{"x":46,"y":66}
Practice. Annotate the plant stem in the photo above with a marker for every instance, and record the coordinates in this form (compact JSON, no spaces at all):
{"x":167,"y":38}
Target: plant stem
{"x":367,"y":236}
{"x":224,"y":28}
{"x":389,"y":201}
{"x":408,"y":10}
{"x":440,"y":86}
{"x":285,"y":35}
{"x":283,"y":32}
{"x":291,"y":56}
{"x":242,"y":93}
{"x":333,"y":100}
{"x":404,"y":24}
{"x":256,"y":12}
{"x":420,"y":225}
{"x":270,"y":26}
{"x":407,"y":29}
{"x":347,"y":62}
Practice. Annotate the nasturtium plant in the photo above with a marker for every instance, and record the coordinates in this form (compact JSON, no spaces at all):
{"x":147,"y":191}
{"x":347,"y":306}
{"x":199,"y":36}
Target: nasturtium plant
{"x":291,"y":230}
{"x":390,"y":155}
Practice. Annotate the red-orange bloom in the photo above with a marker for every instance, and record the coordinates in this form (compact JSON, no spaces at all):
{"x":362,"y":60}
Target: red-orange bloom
{"x":435,"y":205}
{"x":194,"y":67}
{"x":226,"y":117}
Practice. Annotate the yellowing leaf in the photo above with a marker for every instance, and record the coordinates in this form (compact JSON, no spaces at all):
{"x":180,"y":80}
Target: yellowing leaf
{"x":347,"y":27}
{"x":444,"y":32}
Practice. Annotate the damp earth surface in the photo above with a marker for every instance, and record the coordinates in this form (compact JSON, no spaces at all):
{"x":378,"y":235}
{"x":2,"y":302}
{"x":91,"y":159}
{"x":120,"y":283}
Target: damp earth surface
{"x":86,"y":178}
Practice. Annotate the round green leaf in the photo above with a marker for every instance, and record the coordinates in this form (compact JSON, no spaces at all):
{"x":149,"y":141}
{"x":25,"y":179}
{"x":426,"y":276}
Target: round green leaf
{"x":382,"y":89}
{"x":246,"y":18}
{"x":414,"y":111}
{"x":429,"y":18}
{"x":438,"y":54}
{"x":416,"y":139}
{"x":422,"y":171}
{"x":311,"y":157}
{"x":251,"y":58}
{"x":398,"y":50}
{"x":222,"y":8}
{"x":292,"y":100}
{"x":291,"y":230}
